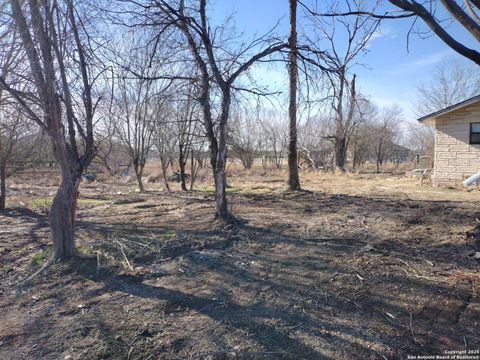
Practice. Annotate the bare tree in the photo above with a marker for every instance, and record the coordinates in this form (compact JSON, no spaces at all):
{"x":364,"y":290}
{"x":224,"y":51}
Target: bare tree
{"x":384,"y":132}
{"x":244,"y":140}
{"x":436,"y":15}
{"x":218,"y":69}
{"x":10,"y":118}
{"x":273,"y":135}
{"x":107,"y":144}
{"x":347,"y":38}
{"x":313,"y":148}
{"x":293,"y":178}
{"x":451,"y":83}
{"x":421,"y":139}
{"x":136,"y":99}
{"x":430,"y":10}
{"x":186,"y":120}
{"x":59,"y":65}
{"x":12,"y":128}
{"x":165,"y":139}
{"x":362,"y":143}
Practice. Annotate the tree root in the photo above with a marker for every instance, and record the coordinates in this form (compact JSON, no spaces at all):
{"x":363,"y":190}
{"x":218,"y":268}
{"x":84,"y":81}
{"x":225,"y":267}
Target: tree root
{"x":35,"y":274}
{"x":95,"y":256}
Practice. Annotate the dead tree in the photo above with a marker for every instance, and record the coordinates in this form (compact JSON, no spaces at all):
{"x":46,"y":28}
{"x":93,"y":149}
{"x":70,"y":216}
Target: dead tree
{"x":343,"y":118}
{"x":63,"y":103}
{"x":339,"y":58}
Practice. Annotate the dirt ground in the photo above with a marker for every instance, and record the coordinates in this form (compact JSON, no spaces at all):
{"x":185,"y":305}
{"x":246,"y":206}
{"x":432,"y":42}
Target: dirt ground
{"x":356,"y":266}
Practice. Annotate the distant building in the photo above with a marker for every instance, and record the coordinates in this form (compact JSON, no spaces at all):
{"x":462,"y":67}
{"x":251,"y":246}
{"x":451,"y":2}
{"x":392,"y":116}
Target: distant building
{"x":457,"y":142}
{"x":397,"y":153}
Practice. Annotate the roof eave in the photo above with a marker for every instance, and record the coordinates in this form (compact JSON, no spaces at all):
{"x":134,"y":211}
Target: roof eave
{"x":431,"y":118}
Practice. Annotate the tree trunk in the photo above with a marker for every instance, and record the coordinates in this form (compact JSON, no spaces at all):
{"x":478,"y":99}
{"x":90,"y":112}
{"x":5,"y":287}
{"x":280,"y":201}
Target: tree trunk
{"x":3,"y":191}
{"x":62,"y":217}
{"x":221,"y":160}
{"x":138,"y":174}
{"x":164,"y":165}
{"x":293,"y":179}
{"x":379,"y":157}
{"x":106,"y":166}
{"x":193,"y":170}
{"x":340,"y":154}
{"x":181,"y":163}
{"x":220,"y":194}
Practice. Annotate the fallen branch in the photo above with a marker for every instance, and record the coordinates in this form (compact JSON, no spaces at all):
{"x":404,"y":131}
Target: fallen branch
{"x":38,"y":272}
{"x":123,"y":253}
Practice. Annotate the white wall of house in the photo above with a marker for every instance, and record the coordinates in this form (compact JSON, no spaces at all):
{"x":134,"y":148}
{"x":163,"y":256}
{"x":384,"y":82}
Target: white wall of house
{"x":455,"y":158}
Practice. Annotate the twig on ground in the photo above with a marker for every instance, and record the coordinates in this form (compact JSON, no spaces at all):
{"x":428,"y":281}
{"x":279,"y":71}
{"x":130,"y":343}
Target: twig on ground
{"x":404,"y":262}
{"x":123,"y":253}
{"x":383,"y":356}
{"x":419,"y":276}
{"x":135,"y":242}
{"x":98,"y":263}
{"x":130,"y":352}
{"x":410,"y":325}
{"x":349,"y":300}
{"x":248,"y":353}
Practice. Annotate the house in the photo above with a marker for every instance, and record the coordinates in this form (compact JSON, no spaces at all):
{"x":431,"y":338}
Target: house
{"x":397,"y":153}
{"x":457,"y":142}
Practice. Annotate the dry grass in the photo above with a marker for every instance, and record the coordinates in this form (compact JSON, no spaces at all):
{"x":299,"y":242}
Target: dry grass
{"x":361,"y":266}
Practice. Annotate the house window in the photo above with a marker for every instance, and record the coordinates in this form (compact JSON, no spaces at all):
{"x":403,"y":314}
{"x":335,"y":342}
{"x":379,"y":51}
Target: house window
{"x":475,"y":133}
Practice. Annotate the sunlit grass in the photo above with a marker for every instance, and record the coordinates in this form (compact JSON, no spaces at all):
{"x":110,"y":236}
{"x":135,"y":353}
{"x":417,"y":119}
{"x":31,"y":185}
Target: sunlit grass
{"x":43,"y":203}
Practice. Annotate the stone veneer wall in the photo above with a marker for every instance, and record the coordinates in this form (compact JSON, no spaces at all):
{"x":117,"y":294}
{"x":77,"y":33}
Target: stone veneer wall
{"x":455,"y":158}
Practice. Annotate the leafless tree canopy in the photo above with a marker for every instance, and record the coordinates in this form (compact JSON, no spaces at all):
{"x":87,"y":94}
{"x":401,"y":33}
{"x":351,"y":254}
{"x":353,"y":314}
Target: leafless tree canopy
{"x":124,"y":83}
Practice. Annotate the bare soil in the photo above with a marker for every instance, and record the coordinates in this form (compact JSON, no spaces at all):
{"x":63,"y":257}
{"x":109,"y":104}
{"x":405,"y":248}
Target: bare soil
{"x":372,"y":269}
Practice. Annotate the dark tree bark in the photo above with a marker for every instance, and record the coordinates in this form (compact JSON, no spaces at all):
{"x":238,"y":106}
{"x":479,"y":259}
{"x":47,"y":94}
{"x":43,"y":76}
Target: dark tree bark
{"x":106,"y":165}
{"x":344,"y":124}
{"x":293,"y":178}
{"x":62,"y":216}
{"x":221,"y":160}
{"x":182,"y":160}
{"x":3,"y":190}
{"x":193,"y":169}
{"x":340,"y":146}
{"x":164,"y":162}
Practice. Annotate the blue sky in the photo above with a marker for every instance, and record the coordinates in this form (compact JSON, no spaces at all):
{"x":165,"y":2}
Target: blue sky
{"x":389,"y":74}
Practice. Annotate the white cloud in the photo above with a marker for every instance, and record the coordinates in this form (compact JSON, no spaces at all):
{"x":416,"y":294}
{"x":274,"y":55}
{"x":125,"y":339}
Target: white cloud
{"x":382,"y":32}
{"x":415,"y":65}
